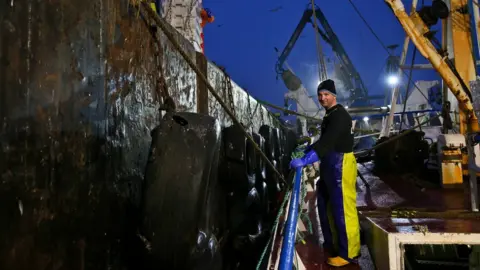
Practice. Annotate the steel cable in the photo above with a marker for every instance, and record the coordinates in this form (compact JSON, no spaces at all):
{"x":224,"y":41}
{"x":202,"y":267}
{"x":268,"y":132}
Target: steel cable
{"x":381,"y":43}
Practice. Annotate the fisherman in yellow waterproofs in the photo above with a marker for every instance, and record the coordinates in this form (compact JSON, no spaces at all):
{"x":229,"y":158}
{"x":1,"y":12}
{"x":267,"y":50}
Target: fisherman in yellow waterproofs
{"x":336,"y":191}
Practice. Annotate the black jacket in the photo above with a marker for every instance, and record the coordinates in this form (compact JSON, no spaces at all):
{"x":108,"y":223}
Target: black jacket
{"x":337,"y":132}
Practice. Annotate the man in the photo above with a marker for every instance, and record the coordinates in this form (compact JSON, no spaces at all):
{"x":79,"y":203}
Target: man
{"x":336,"y":193}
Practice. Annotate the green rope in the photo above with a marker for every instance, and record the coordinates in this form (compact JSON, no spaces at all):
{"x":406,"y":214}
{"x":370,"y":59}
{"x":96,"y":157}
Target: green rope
{"x":307,"y":220}
{"x":280,"y":212}
{"x":298,"y":153}
{"x":304,"y":215}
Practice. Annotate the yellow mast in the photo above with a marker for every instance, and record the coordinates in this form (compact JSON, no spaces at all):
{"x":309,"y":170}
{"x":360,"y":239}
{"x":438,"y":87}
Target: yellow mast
{"x":462,"y":50}
{"x":416,"y":30}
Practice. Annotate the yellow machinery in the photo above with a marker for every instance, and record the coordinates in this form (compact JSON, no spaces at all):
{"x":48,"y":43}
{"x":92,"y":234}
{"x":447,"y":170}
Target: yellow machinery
{"x":457,"y":76}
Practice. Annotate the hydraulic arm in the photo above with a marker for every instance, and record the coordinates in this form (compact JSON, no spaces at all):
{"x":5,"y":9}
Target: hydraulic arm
{"x":418,"y":31}
{"x":350,"y":77}
{"x":452,"y":159}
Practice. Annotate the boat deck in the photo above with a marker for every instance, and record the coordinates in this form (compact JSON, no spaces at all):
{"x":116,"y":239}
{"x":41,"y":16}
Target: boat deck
{"x":386,"y":192}
{"x":434,"y":225}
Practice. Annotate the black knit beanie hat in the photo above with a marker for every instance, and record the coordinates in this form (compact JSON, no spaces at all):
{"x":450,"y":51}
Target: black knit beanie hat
{"x":328,"y":86}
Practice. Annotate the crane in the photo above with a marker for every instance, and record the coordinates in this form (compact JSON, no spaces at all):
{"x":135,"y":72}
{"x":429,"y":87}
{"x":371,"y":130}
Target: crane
{"x":460,"y":77}
{"x":348,"y":74}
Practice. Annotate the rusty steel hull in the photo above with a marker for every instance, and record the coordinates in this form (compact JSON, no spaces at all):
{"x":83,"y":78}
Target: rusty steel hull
{"x":80,"y":92}
{"x":76,"y":106}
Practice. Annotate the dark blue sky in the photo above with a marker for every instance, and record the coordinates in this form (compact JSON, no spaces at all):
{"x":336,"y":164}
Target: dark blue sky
{"x":244,"y":35}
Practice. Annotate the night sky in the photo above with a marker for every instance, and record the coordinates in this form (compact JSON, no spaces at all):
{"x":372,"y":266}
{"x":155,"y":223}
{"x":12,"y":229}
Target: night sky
{"x":244,"y":35}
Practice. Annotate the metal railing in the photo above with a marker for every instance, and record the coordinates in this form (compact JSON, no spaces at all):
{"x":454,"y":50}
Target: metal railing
{"x":290,"y":232}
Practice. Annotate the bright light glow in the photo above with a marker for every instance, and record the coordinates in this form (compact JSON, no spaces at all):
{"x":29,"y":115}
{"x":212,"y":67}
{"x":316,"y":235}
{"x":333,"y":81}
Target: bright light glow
{"x":392,"y":80}
{"x":366,"y":118}
{"x":346,"y":107}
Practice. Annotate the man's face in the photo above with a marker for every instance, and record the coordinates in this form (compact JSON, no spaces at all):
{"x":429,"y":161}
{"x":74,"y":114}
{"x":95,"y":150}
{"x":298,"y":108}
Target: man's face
{"x":326,"y":99}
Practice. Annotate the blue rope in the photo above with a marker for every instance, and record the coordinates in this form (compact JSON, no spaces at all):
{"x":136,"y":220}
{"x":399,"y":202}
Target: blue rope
{"x":288,"y":246}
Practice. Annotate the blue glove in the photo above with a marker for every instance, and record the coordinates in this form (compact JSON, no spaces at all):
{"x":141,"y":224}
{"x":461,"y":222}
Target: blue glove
{"x":309,"y":158}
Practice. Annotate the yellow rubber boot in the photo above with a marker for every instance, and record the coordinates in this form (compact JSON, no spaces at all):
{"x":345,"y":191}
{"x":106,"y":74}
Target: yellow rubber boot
{"x":337,"y":261}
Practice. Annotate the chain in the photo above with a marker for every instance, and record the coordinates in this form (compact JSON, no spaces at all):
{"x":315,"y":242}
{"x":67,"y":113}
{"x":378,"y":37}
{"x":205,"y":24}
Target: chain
{"x":249,"y":110}
{"x":224,"y":87}
{"x":250,"y":121}
{"x":161,"y":88}
{"x":227,"y":90}
{"x":169,"y":11}
{"x":229,"y":93}
{"x":186,"y":24}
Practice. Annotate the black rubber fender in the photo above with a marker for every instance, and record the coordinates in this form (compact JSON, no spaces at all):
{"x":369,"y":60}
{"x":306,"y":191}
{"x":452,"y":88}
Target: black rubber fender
{"x":234,"y":143}
{"x":264,"y":199}
{"x":246,"y":230}
{"x":238,"y":162}
{"x":271,"y":150}
{"x":205,"y":254}
{"x":291,"y":141}
{"x":272,"y":141}
{"x":266,"y":133}
{"x":261,"y":169}
{"x":283,"y":159}
{"x":251,"y":157}
{"x":290,"y":145}
{"x":261,"y":172}
{"x":282,"y":141}
{"x":276,"y":143}
{"x":235,"y":177}
{"x":182,"y":193}
{"x":238,"y":148}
